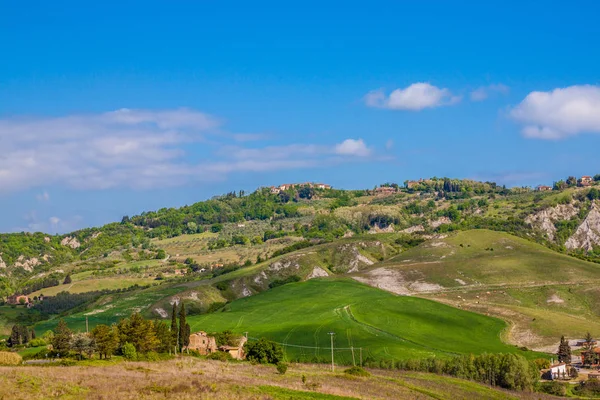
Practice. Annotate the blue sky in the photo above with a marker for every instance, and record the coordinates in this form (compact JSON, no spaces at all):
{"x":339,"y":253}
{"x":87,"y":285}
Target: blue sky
{"x":114,"y":108}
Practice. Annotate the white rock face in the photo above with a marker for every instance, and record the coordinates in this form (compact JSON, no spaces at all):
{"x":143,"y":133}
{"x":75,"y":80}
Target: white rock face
{"x":2,"y":263}
{"x":587,"y":234}
{"x":440,"y":221}
{"x":27,"y":265}
{"x":317,"y":272}
{"x":71,"y":242}
{"x":545,"y":219}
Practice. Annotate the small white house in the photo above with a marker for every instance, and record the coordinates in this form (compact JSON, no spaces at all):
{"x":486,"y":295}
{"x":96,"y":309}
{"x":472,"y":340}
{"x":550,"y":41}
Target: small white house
{"x":558,"y":371}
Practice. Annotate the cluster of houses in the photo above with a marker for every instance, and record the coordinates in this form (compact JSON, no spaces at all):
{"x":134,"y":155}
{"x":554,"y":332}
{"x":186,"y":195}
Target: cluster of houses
{"x":205,"y":345}
{"x":20,"y":299}
{"x":287,"y":186}
{"x":584,"y":181}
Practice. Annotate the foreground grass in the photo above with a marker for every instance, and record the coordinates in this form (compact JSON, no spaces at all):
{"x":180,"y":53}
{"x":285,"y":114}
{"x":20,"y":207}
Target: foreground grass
{"x":384,"y":325}
{"x":189,"y":378}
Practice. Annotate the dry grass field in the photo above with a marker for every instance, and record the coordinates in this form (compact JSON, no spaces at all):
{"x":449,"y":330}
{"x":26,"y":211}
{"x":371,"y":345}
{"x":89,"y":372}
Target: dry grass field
{"x":190,"y":378}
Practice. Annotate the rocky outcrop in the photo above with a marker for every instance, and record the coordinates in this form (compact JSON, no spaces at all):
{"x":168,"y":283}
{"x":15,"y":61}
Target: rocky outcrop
{"x":71,"y":242}
{"x":27,"y":264}
{"x":587,"y":234}
{"x":2,"y":263}
{"x":440,"y":221}
{"x":413,"y":229}
{"x":545,"y":219}
{"x":317,"y":272}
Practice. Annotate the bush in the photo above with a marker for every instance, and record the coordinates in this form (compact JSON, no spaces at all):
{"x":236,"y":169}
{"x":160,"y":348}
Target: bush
{"x":8,"y":358}
{"x":590,"y":388}
{"x":357,"y":371}
{"x":220,"y":356}
{"x":282,"y":368}
{"x":264,"y":352}
{"x":554,"y":388}
{"x":129,"y":351}
{"x":36,"y":343}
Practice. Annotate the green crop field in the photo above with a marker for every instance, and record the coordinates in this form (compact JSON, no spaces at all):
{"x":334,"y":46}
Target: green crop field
{"x":384,"y":325}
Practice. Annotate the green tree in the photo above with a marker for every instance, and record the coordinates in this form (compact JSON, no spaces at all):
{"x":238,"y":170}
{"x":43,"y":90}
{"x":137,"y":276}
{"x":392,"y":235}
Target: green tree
{"x":67,"y":280}
{"x":139,"y":332}
{"x":589,"y":341}
{"x":174,"y":328}
{"x":107,"y":340}
{"x":82,"y":343}
{"x":163,"y":334}
{"x":264,"y":352}
{"x":572,"y":181}
{"x":184,"y":328}
{"x":564,"y":351}
{"x":62,"y":337}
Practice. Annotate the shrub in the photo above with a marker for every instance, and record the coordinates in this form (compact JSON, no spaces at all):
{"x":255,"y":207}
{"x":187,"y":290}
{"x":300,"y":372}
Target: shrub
{"x":357,"y":371}
{"x":129,"y":351}
{"x":220,"y":356}
{"x":264,"y":352}
{"x":36,"y":343}
{"x":282,"y":368}
{"x":8,"y":358}
{"x":554,"y":388}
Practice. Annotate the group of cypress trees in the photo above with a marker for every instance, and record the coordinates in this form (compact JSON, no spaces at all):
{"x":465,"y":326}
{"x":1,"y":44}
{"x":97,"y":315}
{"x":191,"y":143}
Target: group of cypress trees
{"x":180,"y":332}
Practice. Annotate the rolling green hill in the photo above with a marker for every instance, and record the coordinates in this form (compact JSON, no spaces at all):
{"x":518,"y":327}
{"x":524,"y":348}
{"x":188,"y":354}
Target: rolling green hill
{"x":384,"y":325}
{"x":542,"y":293}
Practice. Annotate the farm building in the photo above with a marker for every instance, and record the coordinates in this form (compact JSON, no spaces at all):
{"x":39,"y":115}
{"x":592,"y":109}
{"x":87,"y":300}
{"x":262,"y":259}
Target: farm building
{"x":385,"y":190}
{"x":556,"y":371}
{"x":202,"y":343}
{"x":543,"y":188}
{"x":236,"y":352}
{"x":586,"y":180}
{"x":594,"y":375}
{"x":18,"y":299}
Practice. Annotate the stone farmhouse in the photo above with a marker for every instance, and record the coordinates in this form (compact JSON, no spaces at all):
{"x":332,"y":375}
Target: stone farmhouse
{"x":543,"y":188}
{"x":202,"y":343}
{"x":205,"y":345}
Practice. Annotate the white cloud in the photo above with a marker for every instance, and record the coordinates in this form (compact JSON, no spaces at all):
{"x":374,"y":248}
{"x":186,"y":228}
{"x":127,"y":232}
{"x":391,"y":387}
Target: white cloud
{"x":414,"y":97}
{"x":389,"y":144}
{"x":483,"y":92}
{"x":43,"y":197}
{"x":560,"y":113}
{"x":141,"y":149}
{"x":352,"y":147}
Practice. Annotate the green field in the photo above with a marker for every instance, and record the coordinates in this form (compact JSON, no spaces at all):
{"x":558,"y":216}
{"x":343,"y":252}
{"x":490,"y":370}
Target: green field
{"x":384,"y":325}
{"x":89,"y":285}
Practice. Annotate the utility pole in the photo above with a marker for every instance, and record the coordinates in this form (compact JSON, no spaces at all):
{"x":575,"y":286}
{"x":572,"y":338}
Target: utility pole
{"x":361,"y":356}
{"x":353,"y":360}
{"x":87,"y":325}
{"x":332,"y":363}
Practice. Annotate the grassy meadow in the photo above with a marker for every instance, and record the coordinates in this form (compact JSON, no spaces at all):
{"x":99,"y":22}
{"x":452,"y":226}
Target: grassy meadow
{"x":190,"y":378}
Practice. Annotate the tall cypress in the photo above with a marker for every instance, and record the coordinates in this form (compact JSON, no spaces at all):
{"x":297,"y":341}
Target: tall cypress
{"x":174,"y":329}
{"x":183,"y":328}
{"x":564,"y":351}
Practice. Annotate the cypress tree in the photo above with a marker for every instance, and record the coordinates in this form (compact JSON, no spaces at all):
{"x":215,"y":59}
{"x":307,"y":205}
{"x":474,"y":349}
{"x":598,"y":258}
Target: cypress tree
{"x":174,"y":329}
{"x":564,"y":351}
{"x":183,"y":328}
